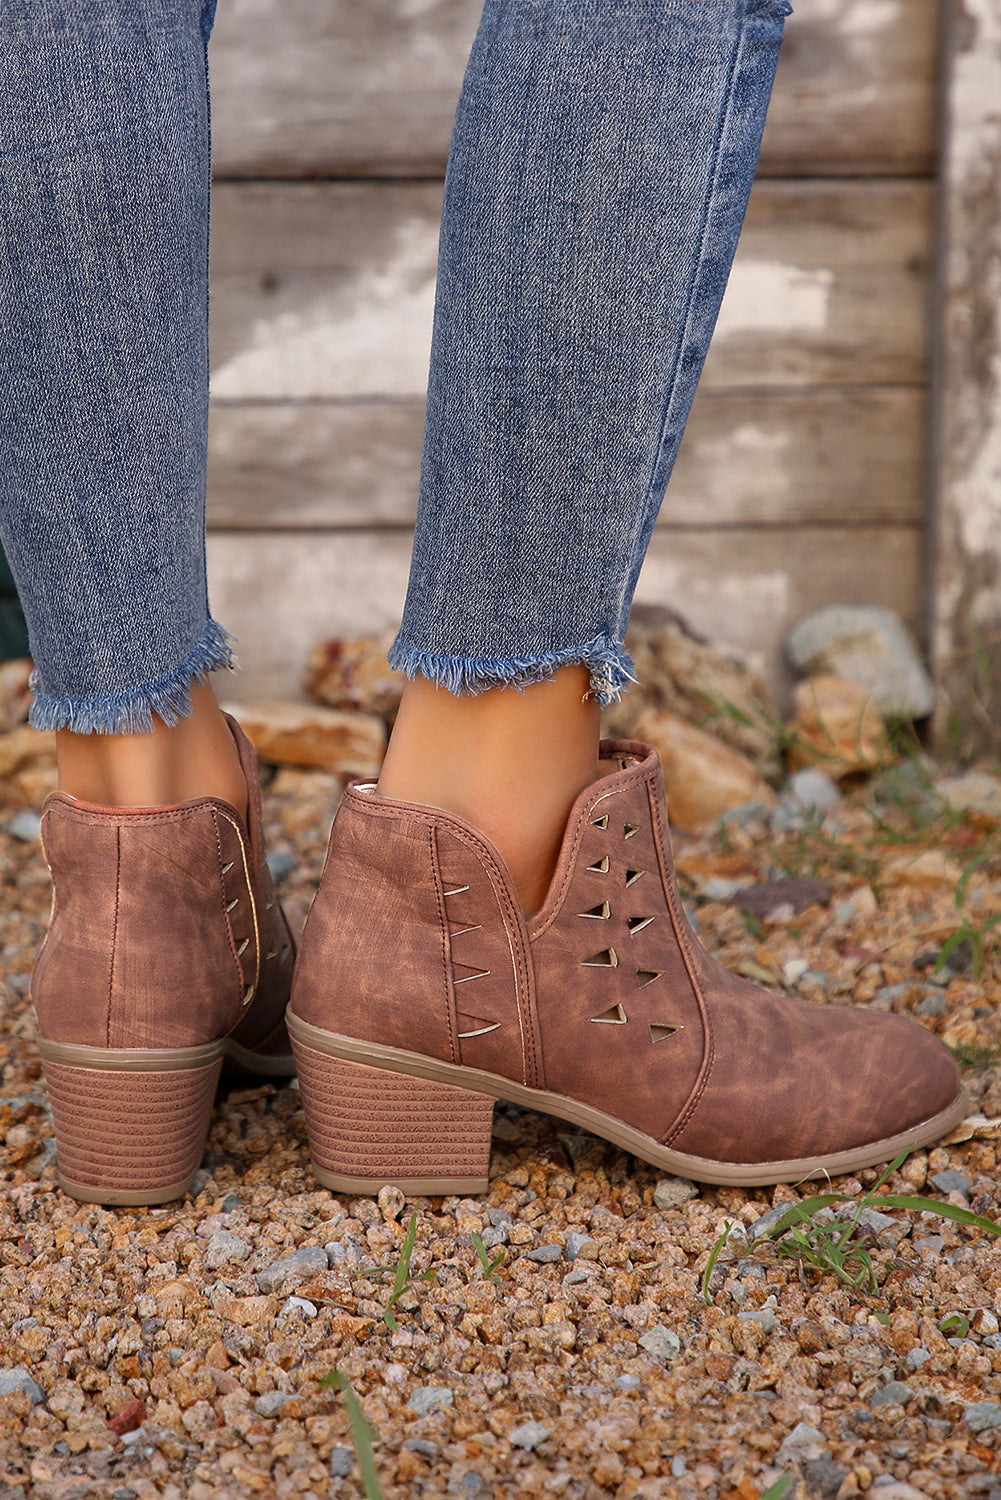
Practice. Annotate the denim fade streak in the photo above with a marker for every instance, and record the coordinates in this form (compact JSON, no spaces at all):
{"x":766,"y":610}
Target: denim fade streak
{"x":600,"y":164}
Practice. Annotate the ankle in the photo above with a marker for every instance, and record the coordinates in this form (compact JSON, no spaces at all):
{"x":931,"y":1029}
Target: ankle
{"x":197,"y":757}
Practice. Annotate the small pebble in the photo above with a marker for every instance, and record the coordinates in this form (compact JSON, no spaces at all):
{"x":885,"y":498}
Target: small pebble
{"x":626,"y":1382}
{"x":814,"y":789}
{"x":18,"y":1379}
{"x":932,"y":1003}
{"x":793,"y":970}
{"x":768,"y":1221}
{"x":422,"y":1446}
{"x":299,"y":1305}
{"x":981,"y":1415}
{"x":896,"y":1393}
{"x":718,"y":888}
{"x":673,"y":1192}
{"x":916,"y":1358}
{"x":528,"y":1435}
{"x":281,"y":864}
{"x":950,"y":1181}
{"x":763,"y":1315}
{"x":663,"y":1342}
{"x":492,"y":1237}
{"x":230,"y":1203}
{"x":429,"y":1398}
{"x":25,"y":826}
{"x":545,"y":1254}
{"x":582,"y":1245}
{"x":224,"y":1247}
{"x":678,"y":1466}
{"x":271,"y":1403}
{"x":342,"y":1461}
{"x":299,"y":1266}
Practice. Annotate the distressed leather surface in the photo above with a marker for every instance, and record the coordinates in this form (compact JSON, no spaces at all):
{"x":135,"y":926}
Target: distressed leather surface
{"x":153,"y":940}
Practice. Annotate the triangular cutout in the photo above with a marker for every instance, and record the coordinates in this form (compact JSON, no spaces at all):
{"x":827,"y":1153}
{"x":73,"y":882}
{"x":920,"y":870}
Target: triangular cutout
{"x":475,"y":1026}
{"x":613,"y":1016}
{"x":470,"y":973}
{"x":602,"y":911}
{"x":647,"y":976}
{"x":456,"y":890}
{"x":633,"y":875}
{"x":637,"y":924}
{"x":606,"y":959}
{"x":630,"y":829}
{"x":600,"y":822}
{"x":459,"y":931}
{"x":600,"y":867}
{"x":660,"y":1033}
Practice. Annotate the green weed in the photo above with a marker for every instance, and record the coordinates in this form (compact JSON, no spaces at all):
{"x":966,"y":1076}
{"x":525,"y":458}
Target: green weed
{"x":711,"y":1262}
{"x":362,"y":1433}
{"x":779,"y":1488}
{"x":403,"y":1278}
{"x":978,"y":935}
{"x":489,"y":1265}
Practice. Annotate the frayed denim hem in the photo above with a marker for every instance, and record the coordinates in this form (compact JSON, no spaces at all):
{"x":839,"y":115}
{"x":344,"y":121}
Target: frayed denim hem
{"x":611,"y":668}
{"x":132,"y":712}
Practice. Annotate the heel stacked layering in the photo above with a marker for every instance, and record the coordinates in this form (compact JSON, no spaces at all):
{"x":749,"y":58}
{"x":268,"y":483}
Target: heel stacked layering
{"x":167,"y":956}
{"x":422,"y":994}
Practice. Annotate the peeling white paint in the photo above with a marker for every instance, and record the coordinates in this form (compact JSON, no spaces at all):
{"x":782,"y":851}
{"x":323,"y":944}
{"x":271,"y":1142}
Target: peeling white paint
{"x":770,"y":296}
{"x":371,"y":336}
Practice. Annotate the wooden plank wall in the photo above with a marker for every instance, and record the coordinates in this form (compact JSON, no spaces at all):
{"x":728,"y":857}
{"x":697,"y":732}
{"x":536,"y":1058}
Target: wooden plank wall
{"x":802,"y":476}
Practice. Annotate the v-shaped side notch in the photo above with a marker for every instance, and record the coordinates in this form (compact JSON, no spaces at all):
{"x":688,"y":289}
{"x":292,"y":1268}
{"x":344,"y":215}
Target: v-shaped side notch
{"x":647,"y":976}
{"x":630,"y":830}
{"x":660,"y":1032}
{"x":475,"y":1026}
{"x":637,"y":924}
{"x":600,"y":866}
{"x":472,"y":974}
{"x":633,"y":875}
{"x":613,"y":1016}
{"x":606,"y":959}
{"x":602,"y":911}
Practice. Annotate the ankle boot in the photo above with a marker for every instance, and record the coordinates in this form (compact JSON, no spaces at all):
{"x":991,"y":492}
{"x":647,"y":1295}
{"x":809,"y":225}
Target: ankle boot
{"x":422,"y":994}
{"x":167,"y":955}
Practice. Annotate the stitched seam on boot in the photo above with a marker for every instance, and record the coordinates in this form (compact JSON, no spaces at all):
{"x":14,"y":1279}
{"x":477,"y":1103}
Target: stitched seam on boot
{"x":446,"y":946}
{"x":114,"y":934}
{"x":709,"y":1059}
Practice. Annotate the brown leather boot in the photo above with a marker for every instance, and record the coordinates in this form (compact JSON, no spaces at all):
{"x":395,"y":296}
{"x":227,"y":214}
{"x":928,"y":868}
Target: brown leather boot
{"x":167,"y":954}
{"x":422,"y":994}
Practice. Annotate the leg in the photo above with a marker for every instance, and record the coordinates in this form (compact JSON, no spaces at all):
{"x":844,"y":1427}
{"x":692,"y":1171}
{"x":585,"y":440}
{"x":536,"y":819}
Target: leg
{"x":598,"y":176}
{"x":105,"y":181}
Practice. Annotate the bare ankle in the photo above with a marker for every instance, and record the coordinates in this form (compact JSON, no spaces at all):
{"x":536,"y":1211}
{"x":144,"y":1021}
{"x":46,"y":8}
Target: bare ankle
{"x":197,"y":757}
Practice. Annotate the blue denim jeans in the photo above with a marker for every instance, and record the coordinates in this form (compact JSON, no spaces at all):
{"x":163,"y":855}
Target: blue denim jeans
{"x":599,"y":170}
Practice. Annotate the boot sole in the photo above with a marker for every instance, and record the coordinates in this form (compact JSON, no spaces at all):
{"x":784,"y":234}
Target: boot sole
{"x":366,"y":1131}
{"x":131,"y":1122}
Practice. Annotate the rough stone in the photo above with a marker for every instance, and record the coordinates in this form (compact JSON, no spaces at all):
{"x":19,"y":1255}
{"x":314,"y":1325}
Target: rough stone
{"x":803,"y":1443}
{"x":817,"y":791}
{"x":354,"y":674}
{"x":974,"y":791}
{"x":763,"y":1315}
{"x":429,"y":1398}
{"x":768,"y":1220}
{"x":528,"y":1435}
{"x":342,"y":1461}
{"x":26,"y":826}
{"x":17,"y":1379}
{"x":545,"y":1254}
{"x":292,"y":1269}
{"x":916,"y":1358}
{"x":895,"y":1393}
{"x":980,"y":1415}
{"x":577,"y":1244}
{"x":674,"y":1192}
{"x":224,"y":1247}
{"x":837,"y":726}
{"x":823,"y":1477}
{"x":795,"y":892}
{"x":661,"y":1341}
{"x":303,"y":734}
{"x":950,"y":1181}
{"x":869,"y":646}
{"x":703,"y":776}
{"x":271,"y":1404}
{"x":422,"y":1446}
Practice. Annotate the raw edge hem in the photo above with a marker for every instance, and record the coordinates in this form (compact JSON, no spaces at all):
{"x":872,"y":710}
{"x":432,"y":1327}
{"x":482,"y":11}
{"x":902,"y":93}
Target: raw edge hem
{"x":610,"y":667}
{"x":132,"y":712}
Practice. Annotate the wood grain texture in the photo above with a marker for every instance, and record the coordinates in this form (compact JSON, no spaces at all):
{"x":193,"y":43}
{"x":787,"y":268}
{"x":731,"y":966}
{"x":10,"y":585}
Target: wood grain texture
{"x":282,"y":592}
{"x":337,"y":88}
{"x":326,"y":290}
{"x":812,"y":457}
{"x":967,"y":525}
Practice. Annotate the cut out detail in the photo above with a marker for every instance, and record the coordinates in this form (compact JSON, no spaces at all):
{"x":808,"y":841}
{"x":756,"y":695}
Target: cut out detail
{"x":235,"y":902}
{"x":465,"y":978}
{"x":637,"y":924}
{"x":606,"y":959}
{"x":458,"y":931}
{"x":613,"y":1016}
{"x":249,"y":995}
{"x":647,"y":976}
{"x":457,"y":891}
{"x":600,"y":822}
{"x":603,"y":911}
{"x":600,"y":867}
{"x":243,"y":948}
{"x":226,"y":868}
{"x":630,"y":829}
{"x":476,"y":1026}
{"x":633,"y":875}
{"x":660,"y":1033}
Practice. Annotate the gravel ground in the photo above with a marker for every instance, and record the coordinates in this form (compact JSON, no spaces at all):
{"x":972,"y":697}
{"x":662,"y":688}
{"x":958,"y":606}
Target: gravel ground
{"x":178,"y":1351}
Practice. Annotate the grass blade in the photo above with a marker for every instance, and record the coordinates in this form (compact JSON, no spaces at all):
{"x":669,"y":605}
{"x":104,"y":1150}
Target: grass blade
{"x":943,"y":1210}
{"x":362,"y":1433}
{"x":711,"y":1262}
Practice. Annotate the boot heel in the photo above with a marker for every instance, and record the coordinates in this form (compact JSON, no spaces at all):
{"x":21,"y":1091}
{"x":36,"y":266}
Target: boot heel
{"x":368,"y":1127}
{"x":130,"y":1129}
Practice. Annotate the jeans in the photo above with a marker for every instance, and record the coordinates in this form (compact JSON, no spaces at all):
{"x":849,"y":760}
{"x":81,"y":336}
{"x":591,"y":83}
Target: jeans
{"x":600,"y":164}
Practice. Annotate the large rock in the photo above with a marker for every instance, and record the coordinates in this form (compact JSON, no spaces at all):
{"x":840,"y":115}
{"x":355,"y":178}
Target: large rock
{"x":868,"y":646}
{"x":837,"y":726}
{"x":303,"y":734}
{"x":679,"y":671}
{"x":703,"y":777}
{"x":355,"y":674}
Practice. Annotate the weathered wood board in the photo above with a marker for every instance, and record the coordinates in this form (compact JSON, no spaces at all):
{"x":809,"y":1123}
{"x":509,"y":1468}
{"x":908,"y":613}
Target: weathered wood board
{"x":966,"y":602}
{"x":338,"y":88}
{"x":326,"y":290}
{"x":280,"y":592}
{"x":850,"y":457}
